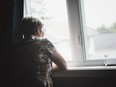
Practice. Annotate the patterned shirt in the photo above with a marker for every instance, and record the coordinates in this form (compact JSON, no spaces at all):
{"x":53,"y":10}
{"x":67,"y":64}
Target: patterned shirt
{"x":35,"y":58}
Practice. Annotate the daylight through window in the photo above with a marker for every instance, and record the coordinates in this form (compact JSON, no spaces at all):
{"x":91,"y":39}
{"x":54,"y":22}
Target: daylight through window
{"x":100,"y":25}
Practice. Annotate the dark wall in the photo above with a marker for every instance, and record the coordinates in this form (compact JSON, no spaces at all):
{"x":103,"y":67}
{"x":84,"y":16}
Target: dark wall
{"x":85,"y":82}
{"x":9,"y":19}
{"x":5,"y":35}
{"x":85,"y":78}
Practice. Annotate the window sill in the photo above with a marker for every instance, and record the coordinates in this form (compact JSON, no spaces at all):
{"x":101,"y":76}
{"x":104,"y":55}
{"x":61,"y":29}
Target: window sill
{"x":93,"y":68}
{"x":90,"y":71}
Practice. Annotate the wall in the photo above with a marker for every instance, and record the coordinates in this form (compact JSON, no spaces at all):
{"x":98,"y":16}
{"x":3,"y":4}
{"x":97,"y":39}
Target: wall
{"x":5,"y":40}
{"x":85,"y":78}
{"x":8,"y":11}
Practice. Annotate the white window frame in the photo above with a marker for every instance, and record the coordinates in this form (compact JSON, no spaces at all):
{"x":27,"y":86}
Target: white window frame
{"x":77,"y":35}
{"x":76,"y":31}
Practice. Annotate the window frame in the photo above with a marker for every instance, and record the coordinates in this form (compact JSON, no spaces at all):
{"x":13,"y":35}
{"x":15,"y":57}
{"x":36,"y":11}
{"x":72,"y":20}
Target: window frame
{"x":78,"y":36}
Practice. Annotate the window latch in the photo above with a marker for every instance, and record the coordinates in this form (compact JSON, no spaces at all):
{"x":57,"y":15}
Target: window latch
{"x":109,"y":63}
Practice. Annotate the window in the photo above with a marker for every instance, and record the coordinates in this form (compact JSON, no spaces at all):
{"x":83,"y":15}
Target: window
{"x":99,"y":29}
{"x":76,"y":28}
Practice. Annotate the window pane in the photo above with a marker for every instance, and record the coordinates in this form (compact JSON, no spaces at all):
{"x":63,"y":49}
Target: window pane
{"x":54,"y":15}
{"x":100,"y":25}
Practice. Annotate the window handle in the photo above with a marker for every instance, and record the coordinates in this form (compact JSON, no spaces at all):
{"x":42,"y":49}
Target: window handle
{"x":105,"y":63}
{"x":109,"y":63}
{"x":79,"y":40}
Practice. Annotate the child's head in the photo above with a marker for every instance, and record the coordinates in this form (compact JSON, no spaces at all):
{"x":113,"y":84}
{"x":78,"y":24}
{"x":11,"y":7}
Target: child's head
{"x":31,"y":26}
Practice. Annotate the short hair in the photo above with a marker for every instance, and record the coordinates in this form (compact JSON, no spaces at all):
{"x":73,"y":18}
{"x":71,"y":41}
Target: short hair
{"x":30,"y":25}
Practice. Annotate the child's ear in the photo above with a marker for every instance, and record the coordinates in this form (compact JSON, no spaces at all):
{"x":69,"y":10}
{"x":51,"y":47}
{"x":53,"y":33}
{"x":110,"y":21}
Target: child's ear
{"x":40,"y":33}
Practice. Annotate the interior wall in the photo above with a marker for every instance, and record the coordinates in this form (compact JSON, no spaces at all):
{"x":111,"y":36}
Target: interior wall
{"x":85,"y":82}
{"x":5,"y":41}
{"x":86,"y":78}
{"x":9,"y":15}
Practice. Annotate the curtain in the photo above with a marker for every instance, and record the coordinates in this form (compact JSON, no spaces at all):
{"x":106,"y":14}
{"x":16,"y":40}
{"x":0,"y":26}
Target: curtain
{"x":11,"y":14}
{"x":17,"y":16}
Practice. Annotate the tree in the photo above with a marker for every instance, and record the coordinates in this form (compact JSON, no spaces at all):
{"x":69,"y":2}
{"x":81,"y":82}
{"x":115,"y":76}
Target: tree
{"x":103,"y":29}
{"x":113,"y":27}
{"x":38,"y":8}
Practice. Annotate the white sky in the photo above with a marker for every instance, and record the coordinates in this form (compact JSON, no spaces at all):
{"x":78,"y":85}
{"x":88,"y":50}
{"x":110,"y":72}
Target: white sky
{"x":100,"y":12}
{"x":57,"y":9}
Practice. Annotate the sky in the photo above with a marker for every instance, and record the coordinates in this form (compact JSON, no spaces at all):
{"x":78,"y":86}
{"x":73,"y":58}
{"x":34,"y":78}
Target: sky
{"x":98,"y":12}
{"x":55,"y":8}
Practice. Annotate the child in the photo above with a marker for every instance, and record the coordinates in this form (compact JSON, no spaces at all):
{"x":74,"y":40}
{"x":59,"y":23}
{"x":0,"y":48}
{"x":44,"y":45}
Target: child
{"x":36,"y":56}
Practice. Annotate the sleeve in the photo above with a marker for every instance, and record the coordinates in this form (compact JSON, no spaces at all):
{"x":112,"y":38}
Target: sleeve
{"x":50,"y":47}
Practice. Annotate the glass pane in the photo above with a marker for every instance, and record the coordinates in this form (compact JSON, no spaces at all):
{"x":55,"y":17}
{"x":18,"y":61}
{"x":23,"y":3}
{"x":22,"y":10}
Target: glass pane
{"x":100,"y":20}
{"x":54,"y":16}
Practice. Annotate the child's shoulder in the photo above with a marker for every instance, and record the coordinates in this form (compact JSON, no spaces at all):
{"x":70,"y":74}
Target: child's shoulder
{"x":43,"y":40}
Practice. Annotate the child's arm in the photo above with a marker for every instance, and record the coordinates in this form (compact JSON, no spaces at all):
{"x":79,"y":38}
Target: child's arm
{"x":59,"y":64}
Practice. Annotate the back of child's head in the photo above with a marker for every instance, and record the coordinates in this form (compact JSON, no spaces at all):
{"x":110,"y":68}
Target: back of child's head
{"x":30,"y":25}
